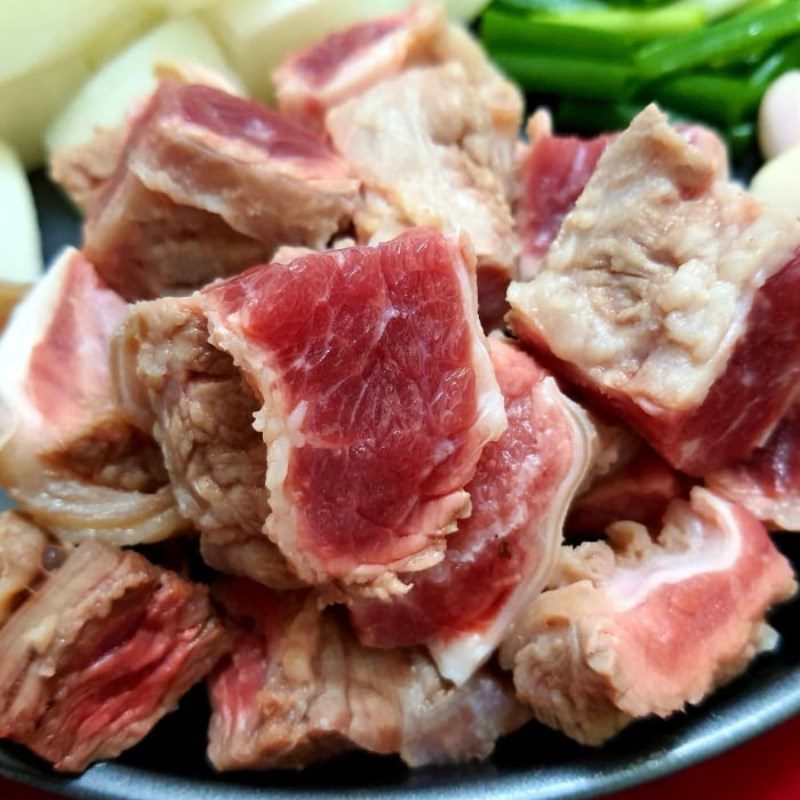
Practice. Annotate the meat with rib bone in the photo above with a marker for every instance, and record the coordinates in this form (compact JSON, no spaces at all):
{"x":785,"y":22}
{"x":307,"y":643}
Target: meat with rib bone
{"x":767,"y":482}
{"x":103,"y":650}
{"x":27,"y":553}
{"x":83,"y":169}
{"x":429,"y":153}
{"x":554,"y":171}
{"x":669,"y":297}
{"x":379,"y":396}
{"x":347,"y":63}
{"x":501,"y":556}
{"x":211,"y":183}
{"x":639,"y":627}
{"x":200,"y":410}
{"x":298,"y":687}
{"x":69,"y":453}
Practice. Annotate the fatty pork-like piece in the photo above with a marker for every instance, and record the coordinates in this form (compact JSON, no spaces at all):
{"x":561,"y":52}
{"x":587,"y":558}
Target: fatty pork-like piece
{"x":554,"y":171}
{"x":69,"y":454}
{"x":428,"y":152}
{"x":379,"y":396}
{"x":346,"y":63}
{"x":83,"y":169}
{"x":104,"y":648}
{"x":641,"y":627}
{"x":201,"y":410}
{"x":638,"y":489}
{"x":298,"y":687}
{"x":212,"y":183}
{"x":669,"y":297}
{"x":27,"y":553}
{"x":767,"y":482}
{"x":501,"y":556}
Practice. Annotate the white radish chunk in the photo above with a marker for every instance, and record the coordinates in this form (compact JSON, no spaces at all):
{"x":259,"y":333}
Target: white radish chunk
{"x":106,"y":99}
{"x":778,"y":181}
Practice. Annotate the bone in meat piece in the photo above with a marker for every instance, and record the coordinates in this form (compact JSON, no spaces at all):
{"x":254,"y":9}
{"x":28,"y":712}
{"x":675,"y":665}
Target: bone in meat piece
{"x":200,"y":410}
{"x":379,"y":396}
{"x":298,"y":687}
{"x":103,"y":649}
{"x":669,"y":297}
{"x":69,"y":454}
{"x":210,"y":184}
{"x":767,"y":482}
{"x":640,"y":627}
{"x":502,"y":555}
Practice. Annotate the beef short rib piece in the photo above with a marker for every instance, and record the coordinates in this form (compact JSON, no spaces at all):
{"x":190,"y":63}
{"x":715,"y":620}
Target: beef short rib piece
{"x":669,"y":297}
{"x":502,"y":555}
{"x":103,"y":650}
{"x":642,"y":627}
{"x":69,"y":453}
{"x":211,"y":183}
{"x":298,"y":687}
{"x":767,"y":482}
{"x":378,"y":398}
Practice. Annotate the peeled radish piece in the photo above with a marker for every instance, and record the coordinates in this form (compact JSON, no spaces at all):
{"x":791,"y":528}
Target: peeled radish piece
{"x":778,"y":181}
{"x":106,"y":98}
{"x":779,"y":115}
{"x":21,"y":254}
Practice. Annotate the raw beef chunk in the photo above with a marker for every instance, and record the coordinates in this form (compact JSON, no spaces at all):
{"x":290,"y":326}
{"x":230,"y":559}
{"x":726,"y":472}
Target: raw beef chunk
{"x":645,"y":627}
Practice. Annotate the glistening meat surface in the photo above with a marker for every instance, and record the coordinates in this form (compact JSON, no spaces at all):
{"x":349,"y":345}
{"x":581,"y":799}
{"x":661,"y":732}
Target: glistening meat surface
{"x":298,"y":687}
{"x":639,"y":627}
{"x":211,"y":183}
{"x":105,"y":648}
{"x":669,"y":297}
{"x":69,"y":453}
{"x":379,"y":396}
{"x":503,"y":553}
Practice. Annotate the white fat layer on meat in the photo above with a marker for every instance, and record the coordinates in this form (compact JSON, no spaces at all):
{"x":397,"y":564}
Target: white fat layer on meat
{"x":459,"y":657}
{"x":650,"y":281}
{"x":710,"y":540}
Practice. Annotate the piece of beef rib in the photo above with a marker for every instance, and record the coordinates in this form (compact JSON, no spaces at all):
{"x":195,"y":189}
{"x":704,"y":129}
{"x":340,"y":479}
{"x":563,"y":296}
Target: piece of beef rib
{"x":69,"y":453}
{"x":298,"y":687}
{"x":640,"y":627}
{"x":104,"y":648}
{"x":669,"y":297}
{"x":210,"y":184}
{"x":502,"y":555}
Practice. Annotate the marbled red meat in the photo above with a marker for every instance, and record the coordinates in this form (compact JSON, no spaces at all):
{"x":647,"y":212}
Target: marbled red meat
{"x":69,"y":453}
{"x":669,"y":297}
{"x":638,"y":627}
{"x":379,"y":397}
{"x":299,"y":687}
{"x":767,"y":482}
{"x":106,"y":647}
{"x":501,"y":555}
{"x":211,"y":183}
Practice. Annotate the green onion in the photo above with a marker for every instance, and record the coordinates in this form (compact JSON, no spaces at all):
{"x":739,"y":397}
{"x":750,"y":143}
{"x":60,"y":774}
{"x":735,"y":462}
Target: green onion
{"x":722,"y":100}
{"x":569,"y":77}
{"x":785,"y":57}
{"x":586,"y":117}
{"x":722,"y":42}
{"x":500,"y":31}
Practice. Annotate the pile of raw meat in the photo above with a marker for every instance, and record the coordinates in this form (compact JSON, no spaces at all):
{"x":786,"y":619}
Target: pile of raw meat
{"x":447,"y":430}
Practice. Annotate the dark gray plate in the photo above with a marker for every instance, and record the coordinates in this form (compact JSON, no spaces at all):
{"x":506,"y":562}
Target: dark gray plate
{"x":533,"y":763}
